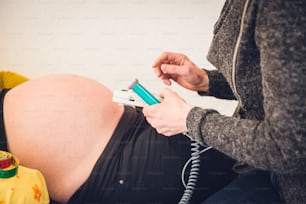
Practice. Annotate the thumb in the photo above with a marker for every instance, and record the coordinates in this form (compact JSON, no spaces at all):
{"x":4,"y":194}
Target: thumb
{"x":166,"y":92}
{"x":171,"y":69}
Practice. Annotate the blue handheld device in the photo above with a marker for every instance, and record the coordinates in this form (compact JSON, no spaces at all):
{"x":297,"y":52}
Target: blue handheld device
{"x":141,"y":91}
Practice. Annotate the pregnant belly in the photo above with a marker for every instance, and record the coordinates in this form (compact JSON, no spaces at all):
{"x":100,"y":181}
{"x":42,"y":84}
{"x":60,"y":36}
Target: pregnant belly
{"x":60,"y":125}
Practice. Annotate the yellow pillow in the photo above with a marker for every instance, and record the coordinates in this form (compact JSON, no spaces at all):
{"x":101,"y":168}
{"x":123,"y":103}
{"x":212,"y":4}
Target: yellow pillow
{"x":10,"y":79}
{"x":27,"y":186}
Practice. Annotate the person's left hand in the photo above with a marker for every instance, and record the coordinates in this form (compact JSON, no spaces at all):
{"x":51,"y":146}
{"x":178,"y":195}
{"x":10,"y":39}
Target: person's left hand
{"x":168,"y":117}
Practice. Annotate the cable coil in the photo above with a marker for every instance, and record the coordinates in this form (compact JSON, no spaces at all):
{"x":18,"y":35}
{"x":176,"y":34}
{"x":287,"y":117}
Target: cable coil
{"x":194,"y":172}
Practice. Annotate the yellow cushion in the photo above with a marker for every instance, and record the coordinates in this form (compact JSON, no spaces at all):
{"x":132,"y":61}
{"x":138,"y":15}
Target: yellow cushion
{"x":10,"y":79}
{"x":27,"y":186}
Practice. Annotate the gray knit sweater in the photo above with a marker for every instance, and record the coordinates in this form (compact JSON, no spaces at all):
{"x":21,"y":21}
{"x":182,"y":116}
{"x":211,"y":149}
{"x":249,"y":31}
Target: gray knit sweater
{"x":259,"y":49}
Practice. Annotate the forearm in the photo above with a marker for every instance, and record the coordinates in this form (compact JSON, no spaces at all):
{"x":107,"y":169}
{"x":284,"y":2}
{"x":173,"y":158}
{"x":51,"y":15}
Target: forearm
{"x":256,"y":143}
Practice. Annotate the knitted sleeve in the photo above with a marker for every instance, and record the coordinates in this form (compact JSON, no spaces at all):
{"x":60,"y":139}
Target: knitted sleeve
{"x":218,"y":86}
{"x":278,"y":142}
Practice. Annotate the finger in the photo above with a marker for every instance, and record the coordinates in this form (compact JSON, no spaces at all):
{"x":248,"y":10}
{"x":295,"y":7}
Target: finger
{"x":158,"y":72}
{"x":164,"y":77}
{"x":166,"y":80}
{"x":171,"y":69}
{"x":145,"y":111}
{"x":161,"y":59}
{"x":169,"y":93}
{"x":166,"y":93}
{"x":168,"y":58}
{"x":149,"y":111}
{"x":169,"y":72}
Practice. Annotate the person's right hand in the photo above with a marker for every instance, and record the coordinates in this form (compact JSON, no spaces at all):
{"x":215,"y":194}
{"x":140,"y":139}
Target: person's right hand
{"x":179,"y":68}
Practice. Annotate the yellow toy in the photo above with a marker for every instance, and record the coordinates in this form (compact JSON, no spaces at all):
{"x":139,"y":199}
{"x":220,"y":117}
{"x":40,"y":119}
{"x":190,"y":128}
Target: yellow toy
{"x":10,"y":79}
{"x":19,"y":184}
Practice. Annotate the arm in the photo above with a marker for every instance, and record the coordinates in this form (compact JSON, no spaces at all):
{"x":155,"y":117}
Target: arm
{"x":278,"y":142}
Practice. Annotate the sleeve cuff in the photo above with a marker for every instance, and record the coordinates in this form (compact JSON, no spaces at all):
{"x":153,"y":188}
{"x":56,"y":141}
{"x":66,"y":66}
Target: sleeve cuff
{"x":218,"y":86}
{"x":195,"y":122}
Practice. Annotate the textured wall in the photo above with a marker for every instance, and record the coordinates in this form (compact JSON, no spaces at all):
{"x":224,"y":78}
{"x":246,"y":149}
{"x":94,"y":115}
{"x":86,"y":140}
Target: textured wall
{"x":113,"y":41}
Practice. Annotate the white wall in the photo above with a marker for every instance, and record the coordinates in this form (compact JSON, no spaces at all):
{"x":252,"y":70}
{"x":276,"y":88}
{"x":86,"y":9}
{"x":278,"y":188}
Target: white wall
{"x":112,"y":41}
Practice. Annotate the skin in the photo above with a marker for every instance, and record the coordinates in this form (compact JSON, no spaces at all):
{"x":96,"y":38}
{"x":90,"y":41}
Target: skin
{"x":60,"y":125}
{"x":170,"y":66}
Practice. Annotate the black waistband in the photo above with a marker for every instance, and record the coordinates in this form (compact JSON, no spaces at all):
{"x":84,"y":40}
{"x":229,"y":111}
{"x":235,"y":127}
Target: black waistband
{"x":3,"y":141}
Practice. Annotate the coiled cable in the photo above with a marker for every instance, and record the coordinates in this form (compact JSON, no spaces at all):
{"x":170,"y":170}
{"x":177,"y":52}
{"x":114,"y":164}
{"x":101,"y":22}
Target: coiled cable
{"x":194,"y":170}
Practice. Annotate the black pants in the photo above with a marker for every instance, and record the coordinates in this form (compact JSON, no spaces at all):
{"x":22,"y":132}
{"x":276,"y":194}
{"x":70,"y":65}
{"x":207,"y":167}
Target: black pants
{"x":255,"y":187}
{"x":141,"y":166}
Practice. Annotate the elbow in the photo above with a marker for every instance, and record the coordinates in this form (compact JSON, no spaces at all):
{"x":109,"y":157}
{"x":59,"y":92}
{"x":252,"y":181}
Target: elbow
{"x":287,"y":151}
{"x":292,"y":166}
{"x":289,"y":164}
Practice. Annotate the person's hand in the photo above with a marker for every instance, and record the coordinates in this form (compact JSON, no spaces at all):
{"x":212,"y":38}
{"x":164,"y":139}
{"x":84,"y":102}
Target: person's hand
{"x":168,"y":117}
{"x":177,"y":67}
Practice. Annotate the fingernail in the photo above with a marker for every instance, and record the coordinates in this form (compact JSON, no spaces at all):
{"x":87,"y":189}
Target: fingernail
{"x":163,"y":68}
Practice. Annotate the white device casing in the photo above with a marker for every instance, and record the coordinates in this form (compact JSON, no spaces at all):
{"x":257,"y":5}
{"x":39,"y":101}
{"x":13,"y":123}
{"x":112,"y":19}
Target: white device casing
{"x":128,"y":97}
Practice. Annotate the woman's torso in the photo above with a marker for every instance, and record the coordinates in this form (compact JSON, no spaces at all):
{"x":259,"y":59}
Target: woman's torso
{"x":60,"y":125}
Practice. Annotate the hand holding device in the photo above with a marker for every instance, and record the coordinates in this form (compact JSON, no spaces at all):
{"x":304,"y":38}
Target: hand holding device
{"x":129,"y":97}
